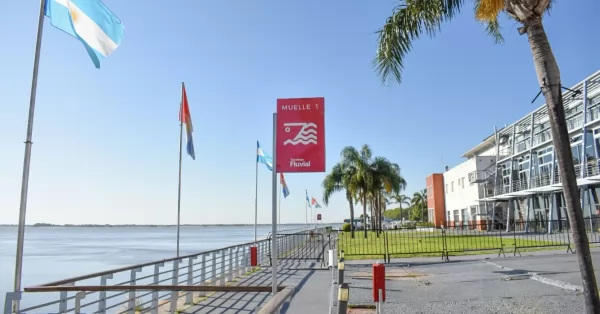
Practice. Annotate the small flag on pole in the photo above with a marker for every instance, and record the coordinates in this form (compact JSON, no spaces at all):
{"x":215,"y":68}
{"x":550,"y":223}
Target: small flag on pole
{"x":286,"y":192}
{"x":186,"y":118}
{"x":263,"y":158}
{"x":307,"y":200}
{"x":314,"y":202}
{"x":99,"y":30}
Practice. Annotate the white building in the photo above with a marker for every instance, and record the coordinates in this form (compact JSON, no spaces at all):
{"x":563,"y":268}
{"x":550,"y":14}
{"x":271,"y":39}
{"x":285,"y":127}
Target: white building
{"x":462,"y":192}
{"x":512,"y":177}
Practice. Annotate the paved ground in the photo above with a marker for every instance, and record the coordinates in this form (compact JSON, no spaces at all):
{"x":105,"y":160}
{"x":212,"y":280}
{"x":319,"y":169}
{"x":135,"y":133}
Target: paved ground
{"x":476,"y":284}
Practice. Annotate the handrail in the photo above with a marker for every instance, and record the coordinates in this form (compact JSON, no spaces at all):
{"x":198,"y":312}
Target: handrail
{"x":275,"y":304}
{"x":121,"y":269}
{"x":154,"y":288}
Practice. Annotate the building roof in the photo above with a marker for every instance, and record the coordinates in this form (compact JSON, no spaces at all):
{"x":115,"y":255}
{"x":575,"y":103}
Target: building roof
{"x":487,"y":142}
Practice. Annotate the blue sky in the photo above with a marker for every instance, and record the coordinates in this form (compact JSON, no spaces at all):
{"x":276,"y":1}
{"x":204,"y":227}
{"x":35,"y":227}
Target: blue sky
{"x":106,"y":141}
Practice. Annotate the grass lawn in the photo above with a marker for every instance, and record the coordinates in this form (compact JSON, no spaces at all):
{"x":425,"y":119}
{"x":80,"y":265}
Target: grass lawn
{"x":402,"y":243}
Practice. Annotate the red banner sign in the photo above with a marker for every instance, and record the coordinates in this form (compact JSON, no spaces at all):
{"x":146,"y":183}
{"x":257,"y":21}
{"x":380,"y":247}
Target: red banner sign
{"x":300,"y":135}
{"x":318,"y":216}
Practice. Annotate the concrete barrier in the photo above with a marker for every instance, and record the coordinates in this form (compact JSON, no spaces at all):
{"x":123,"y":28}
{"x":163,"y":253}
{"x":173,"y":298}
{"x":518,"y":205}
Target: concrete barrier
{"x":281,"y":299}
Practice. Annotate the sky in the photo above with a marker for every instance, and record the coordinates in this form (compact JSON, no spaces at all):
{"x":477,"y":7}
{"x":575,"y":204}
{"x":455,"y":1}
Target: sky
{"x":106,"y":142}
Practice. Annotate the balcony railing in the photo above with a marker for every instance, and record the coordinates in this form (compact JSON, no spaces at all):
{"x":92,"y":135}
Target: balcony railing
{"x":592,"y":168}
{"x":478,"y":176}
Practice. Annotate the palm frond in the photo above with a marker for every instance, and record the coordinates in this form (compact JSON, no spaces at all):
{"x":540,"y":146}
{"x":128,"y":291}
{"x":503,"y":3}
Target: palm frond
{"x":488,"y":10}
{"x":493,"y":29}
{"x":408,"y":22}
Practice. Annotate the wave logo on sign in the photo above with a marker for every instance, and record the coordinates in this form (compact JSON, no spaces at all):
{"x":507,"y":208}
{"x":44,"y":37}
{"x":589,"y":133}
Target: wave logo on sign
{"x":306,"y":135}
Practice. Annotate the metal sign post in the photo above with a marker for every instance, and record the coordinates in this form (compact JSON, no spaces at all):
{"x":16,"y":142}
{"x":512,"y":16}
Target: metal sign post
{"x":274,"y":205}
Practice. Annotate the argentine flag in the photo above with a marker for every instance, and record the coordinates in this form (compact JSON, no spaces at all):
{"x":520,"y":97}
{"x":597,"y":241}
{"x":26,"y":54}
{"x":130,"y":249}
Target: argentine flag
{"x":262,"y":158}
{"x":90,"y":21}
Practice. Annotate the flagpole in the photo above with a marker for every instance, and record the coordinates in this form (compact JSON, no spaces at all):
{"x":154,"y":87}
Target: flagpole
{"x":181,"y":113}
{"x":256,"y":200}
{"x":27,"y":157}
{"x":306,"y":208}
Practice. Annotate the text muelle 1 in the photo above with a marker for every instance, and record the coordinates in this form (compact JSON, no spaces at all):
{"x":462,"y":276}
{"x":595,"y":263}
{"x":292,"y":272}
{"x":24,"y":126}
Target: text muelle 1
{"x":300,"y":107}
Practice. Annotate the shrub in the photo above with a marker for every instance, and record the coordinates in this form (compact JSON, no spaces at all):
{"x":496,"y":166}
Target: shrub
{"x":409,"y":225}
{"x":425,"y":224}
{"x":346,"y":227}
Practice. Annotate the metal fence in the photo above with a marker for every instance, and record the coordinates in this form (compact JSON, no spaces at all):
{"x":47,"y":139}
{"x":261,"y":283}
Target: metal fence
{"x":462,"y":239}
{"x":108,"y":292}
{"x":303,"y":246}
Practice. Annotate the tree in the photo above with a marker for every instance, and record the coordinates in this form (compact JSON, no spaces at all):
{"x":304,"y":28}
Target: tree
{"x":414,"y":18}
{"x":341,"y":178}
{"x":416,"y":213}
{"x":386,"y":179}
{"x":394,"y":214}
{"x":419,"y":200}
{"x":360,"y":161}
{"x":402,"y":201}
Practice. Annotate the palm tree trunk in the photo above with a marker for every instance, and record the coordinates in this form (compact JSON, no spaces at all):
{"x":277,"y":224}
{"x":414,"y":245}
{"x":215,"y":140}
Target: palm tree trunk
{"x":349,"y":198}
{"x":365,"y":212}
{"x":549,"y":78}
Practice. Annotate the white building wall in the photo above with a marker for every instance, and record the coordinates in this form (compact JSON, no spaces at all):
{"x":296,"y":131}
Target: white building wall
{"x":491,"y":151}
{"x":461,"y":197}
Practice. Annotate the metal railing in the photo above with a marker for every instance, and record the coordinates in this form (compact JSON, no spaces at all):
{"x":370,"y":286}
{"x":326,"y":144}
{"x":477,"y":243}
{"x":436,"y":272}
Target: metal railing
{"x":464,"y":238}
{"x":113,"y":291}
{"x":592,"y":168}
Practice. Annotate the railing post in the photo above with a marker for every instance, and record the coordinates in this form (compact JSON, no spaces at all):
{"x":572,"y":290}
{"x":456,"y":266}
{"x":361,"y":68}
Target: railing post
{"x":132,"y":293}
{"x":62,"y":305}
{"x":213,"y":269}
{"x":230,"y":266}
{"x":175,"y":282}
{"x":202,"y":275}
{"x":155,"y":280}
{"x":189,"y":296}
{"x":11,"y":297}
{"x":222,"y":275}
{"x":247,"y":259}
{"x":237,"y":262}
{"x":78,"y":296}
{"x":102,"y":294}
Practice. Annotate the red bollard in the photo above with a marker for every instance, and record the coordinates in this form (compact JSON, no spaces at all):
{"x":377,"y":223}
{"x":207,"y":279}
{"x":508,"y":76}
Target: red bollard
{"x":253,"y":256}
{"x":378,"y":282}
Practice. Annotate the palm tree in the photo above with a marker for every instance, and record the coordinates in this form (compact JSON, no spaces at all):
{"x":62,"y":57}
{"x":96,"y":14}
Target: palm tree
{"x":414,"y":18}
{"x":341,"y":178}
{"x":386,"y":179}
{"x":361,"y":162}
{"x":401,"y":200}
{"x":419,"y":199}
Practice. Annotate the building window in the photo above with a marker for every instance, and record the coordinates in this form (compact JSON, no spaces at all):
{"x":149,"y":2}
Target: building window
{"x":463,"y":182}
{"x":446,"y":188}
{"x":452,"y":186}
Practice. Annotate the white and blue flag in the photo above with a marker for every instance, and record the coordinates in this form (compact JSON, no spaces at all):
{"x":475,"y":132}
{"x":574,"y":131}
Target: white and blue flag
{"x":90,"y":21}
{"x":262,"y":158}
